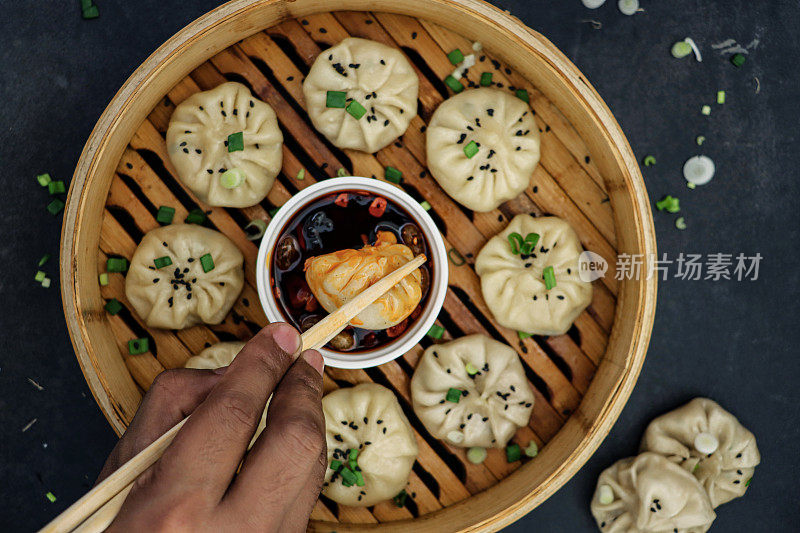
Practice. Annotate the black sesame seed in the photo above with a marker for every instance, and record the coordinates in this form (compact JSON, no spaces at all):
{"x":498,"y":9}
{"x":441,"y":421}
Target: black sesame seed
{"x":384,"y":431}
{"x":290,"y":78}
{"x":156,"y":280}
{"x":224,"y":114}
{"x":323,"y":30}
{"x":185,"y":150}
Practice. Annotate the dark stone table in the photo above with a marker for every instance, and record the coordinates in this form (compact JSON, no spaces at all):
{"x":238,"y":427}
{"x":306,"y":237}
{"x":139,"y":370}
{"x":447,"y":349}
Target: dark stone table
{"x":729,"y":340}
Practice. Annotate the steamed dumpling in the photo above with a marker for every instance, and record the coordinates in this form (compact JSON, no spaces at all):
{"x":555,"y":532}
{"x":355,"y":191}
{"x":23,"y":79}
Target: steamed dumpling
{"x":494,"y":402}
{"x":650,"y":494}
{"x":729,"y":452}
{"x":338,"y":277}
{"x":367,"y":418}
{"x":513,"y":285}
{"x":217,"y":356}
{"x":374,"y":77}
{"x":197,"y":143}
{"x":199,"y":278}
{"x":500,"y":128}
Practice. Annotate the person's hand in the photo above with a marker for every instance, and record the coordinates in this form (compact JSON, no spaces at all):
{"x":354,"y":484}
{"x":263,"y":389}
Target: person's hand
{"x":194,"y":486}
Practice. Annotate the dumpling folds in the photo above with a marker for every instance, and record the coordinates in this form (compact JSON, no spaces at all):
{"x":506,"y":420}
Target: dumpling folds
{"x":217,"y":356}
{"x":506,"y":137}
{"x":338,"y":277}
{"x":725,"y":474}
{"x":368,"y":418}
{"x":494,"y":403}
{"x":197,"y":144}
{"x":374,"y":75}
{"x":650,"y":494}
{"x":513,"y":285}
{"x":182,"y":294}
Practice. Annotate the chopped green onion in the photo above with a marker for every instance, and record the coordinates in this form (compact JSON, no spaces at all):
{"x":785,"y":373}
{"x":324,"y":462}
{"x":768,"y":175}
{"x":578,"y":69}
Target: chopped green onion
{"x":680,"y":223}
{"x":301,"y":175}
{"x":738,"y":60}
{"x":207,"y":262}
{"x":236,"y":142}
{"x":336,"y":99}
{"x":336,"y":465}
{"x":55,"y":206}
{"x":700,"y":140}
{"x":522,"y":94}
{"x":356,"y":110}
{"x":706,"y":110}
{"x":196,"y":216}
{"x":436,"y":331}
{"x":341,"y":173}
{"x":471,"y":149}
{"x":699,"y":169}
{"x":696,"y":467}
{"x":86,"y":4}
{"x":747,"y":483}
{"x":532,"y":450}
{"x":165,"y":214}
{"x":352,"y":458}
{"x":56,"y":187}
{"x":720,"y":97}
{"x":527,"y":248}
{"x":513,"y":453}
{"x":486,"y":79}
{"x":161,"y":262}
{"x":44,"y":179}
{"x":39,"y":276}
{"x":455,"y":85}
{"x":113,"y":306}
{"x":255,"y":229}
{"x":476,"y":455}
{"x":90,"y":12}
{"x":455,"y":56}
{"x":103,"y":279}
{"x":348,"y":477}
{"x":649,"y":161}
{"x":359,"y":478}
{"x":230,"y":179}
{"x":471,"y":369}
{"x":392,"y":174}
{"x":400,"y":499}
{"x":455,"y":257}
{"x":425,"y":205}
{"x":668,"y":203}
{"x":628,"y":7}
{"x":50,"y":496}
{"x":549,"y":276}
{"x":116,"y":264}
{"x":453,"y":395}
{"x":532,"y":238}
{"x":46,"y":283}
{"x":515,"y":240}
{"x":681,"y":49}
{"x":138,"y":346}
{"x":45,"y":258}
{"x":691,"y":185}
{"x":522,"y":335}
{"x":274,"y":211}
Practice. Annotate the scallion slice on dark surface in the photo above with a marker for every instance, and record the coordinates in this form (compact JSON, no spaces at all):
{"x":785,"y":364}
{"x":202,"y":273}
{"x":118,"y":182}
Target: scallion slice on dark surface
{"x":207,"y":262}
{"x":90,"y":12}
{"x":55,"y":206}
{"x":356,"y":110}
{"x":138,"y":346}
{"x":669,"y":203}
{"x":471,"y":149}
{"x":425,"y":205}
{"x":116,"y":264}
{"x":486,"y":79}
{"x":392,"y":174}
{"x":549,"y":277}
{"x":56,"y":187}
{"x":45,"y":258}
{"x":46,"y":283}
{"x":161,"y":262}
{"x":113,"y":306}
{"x":522,"y":94}
{"x":236,"y":142}
{"x":50,"y":496}
{"x":39,"y":276}
{"x":255,"y":229}
{"x":515,"y":240}
{"x":455,"y":57}
{"x":44,"y":179}
{"x":453,"y":395}
{"x":196,"y":216}
{"x":336,"y":99}
{"x":165,"y":214}
{"x":738,"y":60}
{"x":513,"y":453}
{"x":455,"y":85}
{"x":400,"y":499}
{"x":436,"y":331}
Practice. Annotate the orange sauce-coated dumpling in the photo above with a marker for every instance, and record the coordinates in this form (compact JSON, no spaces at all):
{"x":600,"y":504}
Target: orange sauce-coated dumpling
{"x":338,"y":277}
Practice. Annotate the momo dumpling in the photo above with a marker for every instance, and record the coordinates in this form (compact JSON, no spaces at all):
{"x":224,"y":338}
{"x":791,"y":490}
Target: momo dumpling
{"x":710,"y":443}
{"x":217,"y":356}
{"x":650,"y":494}
{"x":472,"y":392}
{"x":361,"y":94}
{"x":182,"y":275}
{"x":514,"y":283}
{"x":366,"y":418}
{"x":338,"y":277}
{"x":483,"y":146}
{"x":226,"y":146}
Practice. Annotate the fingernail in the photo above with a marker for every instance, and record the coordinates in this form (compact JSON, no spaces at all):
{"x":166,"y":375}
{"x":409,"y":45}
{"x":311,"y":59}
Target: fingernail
{"x":287,"y":338}
{"x":220,"y":370}
{"x":314,"y":358}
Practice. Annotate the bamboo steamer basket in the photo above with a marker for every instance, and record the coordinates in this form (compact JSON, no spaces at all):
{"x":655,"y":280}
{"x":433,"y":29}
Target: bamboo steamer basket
{"x":588,"y":175}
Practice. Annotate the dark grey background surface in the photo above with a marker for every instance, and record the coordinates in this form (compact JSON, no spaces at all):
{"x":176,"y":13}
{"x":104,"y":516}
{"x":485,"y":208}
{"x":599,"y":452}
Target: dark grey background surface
{"x":733,"y":341}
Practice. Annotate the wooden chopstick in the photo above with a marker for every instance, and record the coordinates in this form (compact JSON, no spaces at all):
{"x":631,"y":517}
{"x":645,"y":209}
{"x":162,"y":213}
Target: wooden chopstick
{"x":98,"y":507}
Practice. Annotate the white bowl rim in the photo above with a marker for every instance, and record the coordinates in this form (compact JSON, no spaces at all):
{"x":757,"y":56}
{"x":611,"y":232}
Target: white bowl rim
{"x":439,"y":278}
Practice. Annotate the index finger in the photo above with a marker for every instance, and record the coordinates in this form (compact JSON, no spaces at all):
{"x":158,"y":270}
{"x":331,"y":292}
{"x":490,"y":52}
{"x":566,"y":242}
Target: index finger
{"x":206,"y":452}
